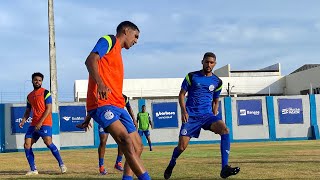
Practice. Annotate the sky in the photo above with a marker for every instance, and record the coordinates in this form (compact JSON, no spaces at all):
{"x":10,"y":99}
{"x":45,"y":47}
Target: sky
{"x":174,"y":35}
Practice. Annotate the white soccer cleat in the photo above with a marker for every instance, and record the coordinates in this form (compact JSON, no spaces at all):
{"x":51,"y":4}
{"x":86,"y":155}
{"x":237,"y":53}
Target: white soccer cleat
{"x":63,"y":168}
{"x":30,"y":173}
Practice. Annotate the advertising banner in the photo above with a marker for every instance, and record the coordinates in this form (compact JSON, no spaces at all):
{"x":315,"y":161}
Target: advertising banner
{"x":290,"y":111}
{"x":165,"y":115}
{"x":70,"y":116}
{"x":249,"y":112}
{"x":16,"y":117}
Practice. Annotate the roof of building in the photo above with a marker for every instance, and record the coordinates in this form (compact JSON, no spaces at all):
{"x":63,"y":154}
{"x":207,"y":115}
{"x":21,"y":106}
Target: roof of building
{"x":305,"y":67}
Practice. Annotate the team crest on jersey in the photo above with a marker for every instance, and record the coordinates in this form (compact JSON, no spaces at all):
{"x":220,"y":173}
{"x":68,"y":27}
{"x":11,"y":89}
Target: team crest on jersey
{"x":211,"y":87}
{"x":108,"y":115}
{"x":184,"y":132}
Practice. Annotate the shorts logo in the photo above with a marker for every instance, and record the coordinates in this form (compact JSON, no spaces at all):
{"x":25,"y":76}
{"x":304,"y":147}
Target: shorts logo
{"x":101,"y":130}
{"x":45,"y":131}
{"x":184,"y":132}
{"x":108,"y":115}
{"x":211,"y":87}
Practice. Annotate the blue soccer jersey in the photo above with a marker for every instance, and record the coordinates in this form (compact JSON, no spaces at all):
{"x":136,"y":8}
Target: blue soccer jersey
{"x":202,"y":90}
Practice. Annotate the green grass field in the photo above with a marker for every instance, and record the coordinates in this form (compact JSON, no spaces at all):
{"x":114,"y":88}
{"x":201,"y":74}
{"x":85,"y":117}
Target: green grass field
{"x":264,"y":160}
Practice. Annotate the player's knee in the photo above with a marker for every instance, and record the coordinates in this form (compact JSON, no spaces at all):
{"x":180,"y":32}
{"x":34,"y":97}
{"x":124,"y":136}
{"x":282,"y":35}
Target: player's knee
{"x":181,"y":148}
{"x":27,"y":145}
{"x":224,"y":131}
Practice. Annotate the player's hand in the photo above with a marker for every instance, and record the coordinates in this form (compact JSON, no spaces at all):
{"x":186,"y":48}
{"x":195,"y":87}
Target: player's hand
{"x":84,"y":126}
{"x":184,"y":117}
{"x":21,"y":124}
{"x":103,"y":91}
{"x":38,"y":126}
{"x":216,"y":112}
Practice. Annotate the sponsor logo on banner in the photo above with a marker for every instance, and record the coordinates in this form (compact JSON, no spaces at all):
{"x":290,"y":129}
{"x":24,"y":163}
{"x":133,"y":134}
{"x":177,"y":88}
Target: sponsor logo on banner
{"x":66,"y":118}
{"x":165,"y":114}
{"x":18,"y":120}
{"x":290,"y":110}
{"x":244,"y":112}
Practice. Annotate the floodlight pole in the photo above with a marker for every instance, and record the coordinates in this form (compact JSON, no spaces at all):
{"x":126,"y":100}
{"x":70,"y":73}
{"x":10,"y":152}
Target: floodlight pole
{"x":53,"y":77}
{"x":52,"y":58}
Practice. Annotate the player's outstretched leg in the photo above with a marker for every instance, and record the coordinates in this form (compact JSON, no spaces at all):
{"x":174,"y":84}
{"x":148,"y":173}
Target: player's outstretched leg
{"x":176,"y":153}
{"x":226,"y":170}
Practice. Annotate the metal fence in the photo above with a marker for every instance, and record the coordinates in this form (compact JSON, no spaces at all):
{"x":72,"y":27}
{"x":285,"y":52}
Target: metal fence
{"x":20,"y":97}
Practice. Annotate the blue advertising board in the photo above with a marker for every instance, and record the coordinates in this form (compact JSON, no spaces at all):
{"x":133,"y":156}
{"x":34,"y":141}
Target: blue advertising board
{"x":165,"y":115}
{"x":290,"y":111}
{"x":16,"y":117}
{"x":249,"y":112}
{"x":70,"y":116}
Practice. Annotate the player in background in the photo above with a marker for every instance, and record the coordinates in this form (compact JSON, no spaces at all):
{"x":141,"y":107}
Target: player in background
{"x":105,"y":102}
{"x":201,"y":111}
{"x":39,"y":101}
{"x":144,"y":120}
{"x":104,"y":137}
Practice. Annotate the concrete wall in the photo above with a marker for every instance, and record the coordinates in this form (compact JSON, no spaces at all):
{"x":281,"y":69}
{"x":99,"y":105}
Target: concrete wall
{"x":270,"y":130}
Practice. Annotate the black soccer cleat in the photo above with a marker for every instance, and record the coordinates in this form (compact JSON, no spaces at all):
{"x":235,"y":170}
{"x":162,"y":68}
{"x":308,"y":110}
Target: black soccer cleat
{"x":167,"y":173}
{"x":229,"y":171}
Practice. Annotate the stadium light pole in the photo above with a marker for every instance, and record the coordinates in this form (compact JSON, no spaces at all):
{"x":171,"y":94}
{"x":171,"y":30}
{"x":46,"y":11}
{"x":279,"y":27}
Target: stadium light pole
{"x":52,"y":58}
{"x":53,"y":77}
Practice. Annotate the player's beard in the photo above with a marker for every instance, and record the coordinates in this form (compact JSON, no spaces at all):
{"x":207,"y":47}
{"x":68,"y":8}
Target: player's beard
{"x":36,"y":87}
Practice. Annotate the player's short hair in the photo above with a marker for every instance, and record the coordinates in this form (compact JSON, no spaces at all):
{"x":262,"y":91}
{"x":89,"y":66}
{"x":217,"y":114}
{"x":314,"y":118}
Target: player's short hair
{"x":209,"y":54}
{"x":143,"y":106}
{"x":126,"y":24}
{"x":37,"y":74}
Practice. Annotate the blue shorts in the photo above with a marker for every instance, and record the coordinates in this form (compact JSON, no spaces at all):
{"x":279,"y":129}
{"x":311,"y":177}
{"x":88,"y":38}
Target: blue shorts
{"x":44,"y":131}
{"x":193,"y":127}
{"x":101,"y":130}
{"x":106,"y":115}
{"x":146,"y":132}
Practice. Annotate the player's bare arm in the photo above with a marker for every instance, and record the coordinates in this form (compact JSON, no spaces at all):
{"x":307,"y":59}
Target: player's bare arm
{"x":184,"y":113}
{"x":44,"y":116}
{"x":92,"y":67}
{"x":215,"y":106}
{"x":25,"y":117}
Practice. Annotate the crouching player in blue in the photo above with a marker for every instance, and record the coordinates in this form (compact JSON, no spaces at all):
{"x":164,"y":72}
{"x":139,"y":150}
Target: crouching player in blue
{"x":201,"y":111}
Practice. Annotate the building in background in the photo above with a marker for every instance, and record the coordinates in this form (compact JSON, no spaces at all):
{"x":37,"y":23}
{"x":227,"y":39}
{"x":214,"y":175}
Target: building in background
{"x":267,"y":81}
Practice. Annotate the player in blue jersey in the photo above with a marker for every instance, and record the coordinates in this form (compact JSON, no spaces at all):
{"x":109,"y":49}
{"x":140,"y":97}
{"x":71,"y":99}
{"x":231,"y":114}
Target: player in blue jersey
{"x":104,"y":137}
{"x":201,"y":111}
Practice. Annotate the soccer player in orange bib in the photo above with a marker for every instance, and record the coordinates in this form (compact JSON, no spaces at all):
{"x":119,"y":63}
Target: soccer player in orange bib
{"x":39,"y":101}
{"x":105,"y":102}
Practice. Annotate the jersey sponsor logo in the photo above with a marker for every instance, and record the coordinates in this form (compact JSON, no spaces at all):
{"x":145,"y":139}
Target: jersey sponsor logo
{"x":108,"y":115}
{"x":66,"y":118}
{"x":211,"y":87}
{"x":184,"y":132}
{"x":290,"y":110}
{"x":244,"y":112}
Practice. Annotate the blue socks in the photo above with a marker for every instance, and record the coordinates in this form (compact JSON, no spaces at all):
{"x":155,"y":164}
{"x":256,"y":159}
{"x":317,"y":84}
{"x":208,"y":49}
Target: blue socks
{"x":176,"y":153}
{"x":125,"y":177}
{"x":55,"y":153}
{"x":225,"y":149}
{"x":119,"y":159}
{"x":144,"y":176}
{"x":101,"y":162}
{"x":30,"y":158}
